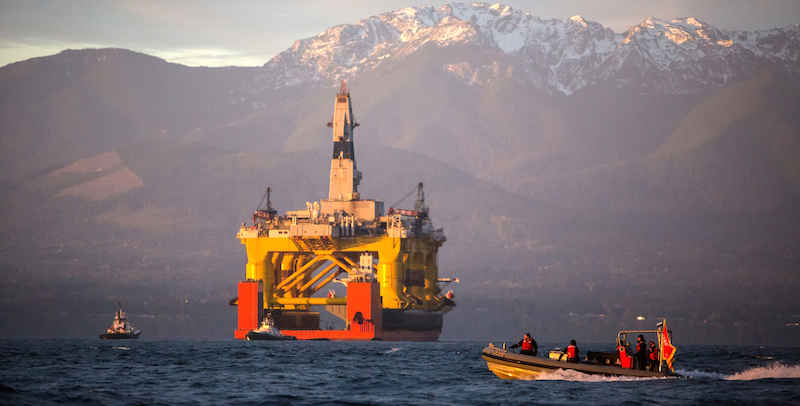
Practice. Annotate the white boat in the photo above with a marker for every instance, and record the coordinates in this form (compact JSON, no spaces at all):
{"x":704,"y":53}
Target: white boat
{"x":267,"y":331}
{"x":120,"y":329}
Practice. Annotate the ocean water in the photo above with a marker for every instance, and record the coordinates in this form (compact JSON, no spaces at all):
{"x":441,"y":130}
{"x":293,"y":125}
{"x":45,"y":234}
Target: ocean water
{"x":143,"y":372}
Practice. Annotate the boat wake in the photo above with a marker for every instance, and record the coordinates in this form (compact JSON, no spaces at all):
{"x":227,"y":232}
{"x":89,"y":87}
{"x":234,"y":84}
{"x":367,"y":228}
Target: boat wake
{"x":774,"y":371}
{"x":575,"y":376}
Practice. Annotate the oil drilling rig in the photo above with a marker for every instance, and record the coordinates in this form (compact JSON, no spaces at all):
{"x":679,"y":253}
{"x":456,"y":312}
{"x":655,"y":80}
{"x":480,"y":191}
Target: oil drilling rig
{"x":387,"y":260}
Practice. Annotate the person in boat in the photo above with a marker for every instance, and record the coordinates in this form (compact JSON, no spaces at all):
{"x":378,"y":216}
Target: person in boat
{"x":528,"y":345}
{"x":624,"y":355}
{"x":653,"y":357}
{"x":641,"y":352}
{"x":572,"y":352}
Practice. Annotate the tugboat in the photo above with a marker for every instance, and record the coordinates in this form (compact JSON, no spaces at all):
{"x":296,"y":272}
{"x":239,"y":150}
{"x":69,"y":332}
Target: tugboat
{"x":510,"y":365}
{"x":120,"y":329}
{"x":267,"y":331}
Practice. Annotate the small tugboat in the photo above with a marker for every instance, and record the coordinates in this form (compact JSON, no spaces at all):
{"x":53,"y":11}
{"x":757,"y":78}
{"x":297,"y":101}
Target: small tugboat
{"x":120,"y":329}
{"x":510,"y":365}
{"x":267,"y":331}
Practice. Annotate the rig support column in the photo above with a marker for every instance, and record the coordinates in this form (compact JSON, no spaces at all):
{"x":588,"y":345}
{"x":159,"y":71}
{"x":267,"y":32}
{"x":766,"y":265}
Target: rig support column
{"x":249,"y":308}
{"x":390,"y":272}
{"x":431,"y":277}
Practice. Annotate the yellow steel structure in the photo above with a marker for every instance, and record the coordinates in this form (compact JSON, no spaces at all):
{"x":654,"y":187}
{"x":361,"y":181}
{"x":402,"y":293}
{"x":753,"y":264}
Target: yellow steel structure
{"x":267,"y":258}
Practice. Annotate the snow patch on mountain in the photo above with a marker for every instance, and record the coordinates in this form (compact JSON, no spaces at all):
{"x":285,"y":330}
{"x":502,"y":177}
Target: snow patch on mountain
{"x":683,"y":55}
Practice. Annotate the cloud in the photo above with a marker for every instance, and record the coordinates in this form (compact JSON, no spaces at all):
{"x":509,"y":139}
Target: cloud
{"x":27,"y":48}
{"x":209,"y":57}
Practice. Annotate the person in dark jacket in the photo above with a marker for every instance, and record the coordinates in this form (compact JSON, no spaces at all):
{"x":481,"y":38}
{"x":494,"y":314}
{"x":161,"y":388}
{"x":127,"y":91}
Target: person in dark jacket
{"x":641,"y":352}
{"x":572,"y":352}
{"x":528,"y":345}
{"x":653,"y":358}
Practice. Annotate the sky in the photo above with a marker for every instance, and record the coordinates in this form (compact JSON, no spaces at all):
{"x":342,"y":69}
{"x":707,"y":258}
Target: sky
{"x":251,"y":32}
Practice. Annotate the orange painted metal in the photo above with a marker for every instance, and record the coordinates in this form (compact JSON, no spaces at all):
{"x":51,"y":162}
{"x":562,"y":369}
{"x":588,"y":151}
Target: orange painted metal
{"x":364,"y":314}
{"x":364,"y":298}
{"x":249,"y":305}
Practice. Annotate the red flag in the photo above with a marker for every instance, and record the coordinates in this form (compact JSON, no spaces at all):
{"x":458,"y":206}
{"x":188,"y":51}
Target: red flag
{"x":668,"y":351}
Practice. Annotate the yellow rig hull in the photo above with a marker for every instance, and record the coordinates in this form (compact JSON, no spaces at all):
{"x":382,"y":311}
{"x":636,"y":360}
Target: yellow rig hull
{"x":285,"y":267}
{"x":291,"y":270}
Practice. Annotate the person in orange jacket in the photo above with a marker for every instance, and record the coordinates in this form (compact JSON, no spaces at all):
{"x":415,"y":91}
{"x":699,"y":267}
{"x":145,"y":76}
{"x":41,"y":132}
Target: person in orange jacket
{"x":528,"y":345}
{"x":572,"y":352}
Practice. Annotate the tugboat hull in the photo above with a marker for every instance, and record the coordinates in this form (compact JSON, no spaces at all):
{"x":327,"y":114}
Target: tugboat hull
{"x":120,"y":336}
{"x":254,"y":336}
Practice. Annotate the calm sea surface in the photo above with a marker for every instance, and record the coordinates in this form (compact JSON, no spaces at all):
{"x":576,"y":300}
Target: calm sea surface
{"x":44,"y":372}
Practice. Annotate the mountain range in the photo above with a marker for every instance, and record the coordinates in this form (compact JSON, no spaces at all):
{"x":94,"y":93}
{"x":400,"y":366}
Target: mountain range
{"x":681,"y":56}
{"x":583,"y":177}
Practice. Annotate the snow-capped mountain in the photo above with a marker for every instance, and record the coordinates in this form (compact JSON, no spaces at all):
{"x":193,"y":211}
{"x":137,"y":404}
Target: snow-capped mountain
{"x":678,"y":56}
